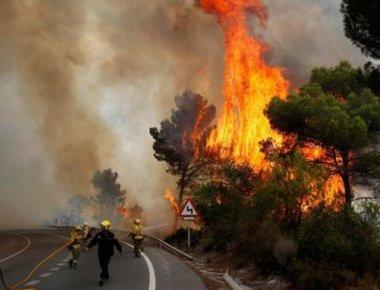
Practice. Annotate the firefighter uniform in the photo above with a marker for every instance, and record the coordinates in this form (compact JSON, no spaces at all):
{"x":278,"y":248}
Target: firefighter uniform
{"x":75,"y":238}
{"x":106,"y":241}
{"x":137,"y":237}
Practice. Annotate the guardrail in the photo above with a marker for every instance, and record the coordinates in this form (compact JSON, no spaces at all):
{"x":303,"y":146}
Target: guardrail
{"x":170,"y":247}
{"x":231,"y":282}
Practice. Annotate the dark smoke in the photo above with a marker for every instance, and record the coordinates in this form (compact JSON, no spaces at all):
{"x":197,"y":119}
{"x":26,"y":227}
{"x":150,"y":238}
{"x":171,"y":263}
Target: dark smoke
{"x":45,"y":36}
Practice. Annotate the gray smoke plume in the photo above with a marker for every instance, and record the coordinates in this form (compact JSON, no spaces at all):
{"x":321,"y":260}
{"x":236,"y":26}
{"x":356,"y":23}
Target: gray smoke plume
{"x":304,"y":34}
{"x":81,"y":83}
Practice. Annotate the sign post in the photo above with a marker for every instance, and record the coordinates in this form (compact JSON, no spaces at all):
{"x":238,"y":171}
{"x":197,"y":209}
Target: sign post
{"x":188,"y":213}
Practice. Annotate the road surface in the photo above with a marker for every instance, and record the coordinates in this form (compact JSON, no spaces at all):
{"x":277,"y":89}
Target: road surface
{"x":20,"y":251}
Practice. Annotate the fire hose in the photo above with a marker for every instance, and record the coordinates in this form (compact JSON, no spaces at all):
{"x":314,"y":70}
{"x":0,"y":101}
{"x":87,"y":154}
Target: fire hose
{"x":2,"y":279}
{"x":43,"y":261}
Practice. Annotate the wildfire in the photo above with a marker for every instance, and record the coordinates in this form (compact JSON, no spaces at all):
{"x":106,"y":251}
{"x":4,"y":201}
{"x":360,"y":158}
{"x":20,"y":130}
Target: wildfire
{"x":169,"y":196}
{"x":334,"y":184}
{"x":125,"y":212}
{"x":250,"y":84}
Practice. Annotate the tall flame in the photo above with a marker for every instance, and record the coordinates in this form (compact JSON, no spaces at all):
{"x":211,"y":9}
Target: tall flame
{"x":169,"y":196}
{"x":250,"y":84}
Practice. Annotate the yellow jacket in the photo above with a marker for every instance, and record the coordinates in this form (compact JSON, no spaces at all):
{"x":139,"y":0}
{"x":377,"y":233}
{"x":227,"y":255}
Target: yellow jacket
{"x":75,"y":237}
{"x":137,"y":232}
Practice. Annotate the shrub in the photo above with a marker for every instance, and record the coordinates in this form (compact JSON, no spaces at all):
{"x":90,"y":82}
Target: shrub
{"x":179,"y":237}
{"x":284,"y":251}
{"x":318,"y":276}
{"x":346,"y":239}
{"x":369,"y":282}
{"x":263,"y":242}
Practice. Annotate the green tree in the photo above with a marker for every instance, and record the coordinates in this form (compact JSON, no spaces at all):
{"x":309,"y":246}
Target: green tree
{"x":334,"y":111}
{"x":181,"y":140}
{"x":223,"y":203}
{"x":362,"y":25}
{"x":294,"y":186}
{"x":109,"y":195}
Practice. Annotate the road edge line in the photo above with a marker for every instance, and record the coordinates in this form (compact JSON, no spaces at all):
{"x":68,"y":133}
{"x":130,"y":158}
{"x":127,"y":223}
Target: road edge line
{"x":20,"y":251}
{"x":152,"y":275}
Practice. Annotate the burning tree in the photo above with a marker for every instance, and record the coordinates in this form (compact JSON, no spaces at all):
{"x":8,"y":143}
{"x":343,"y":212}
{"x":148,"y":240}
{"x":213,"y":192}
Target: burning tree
{"x":181,"y":140}
{"x":110,"y":197}
{"x":334,"y":111}
{"x":250,"y":83}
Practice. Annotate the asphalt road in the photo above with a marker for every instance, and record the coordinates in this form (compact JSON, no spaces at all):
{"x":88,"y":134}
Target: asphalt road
{"x":20,"y":251}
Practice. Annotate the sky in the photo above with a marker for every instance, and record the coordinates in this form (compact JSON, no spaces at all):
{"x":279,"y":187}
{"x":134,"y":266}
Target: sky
{"x":81,"y":83}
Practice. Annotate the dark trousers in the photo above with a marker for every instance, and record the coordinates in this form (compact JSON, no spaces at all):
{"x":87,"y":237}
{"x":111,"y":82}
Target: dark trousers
{"x":138,"y":246}
{"x":103,"y":262}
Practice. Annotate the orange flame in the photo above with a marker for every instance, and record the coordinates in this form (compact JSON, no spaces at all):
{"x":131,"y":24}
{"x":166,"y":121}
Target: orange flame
{"x":250,"y":84}
{"x":169,"y":196}
{"x":334,"y":184}
{"x":125,"y":212}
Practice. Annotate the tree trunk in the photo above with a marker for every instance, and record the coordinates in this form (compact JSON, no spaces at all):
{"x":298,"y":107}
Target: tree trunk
{"x":181,"y":190}
{"x":346,"y":179}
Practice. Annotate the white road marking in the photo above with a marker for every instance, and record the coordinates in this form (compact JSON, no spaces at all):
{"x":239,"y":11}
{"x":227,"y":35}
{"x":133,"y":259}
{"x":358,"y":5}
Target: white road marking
{"x":44,"y":275}
{"x":152,"y":275}
{"x":33,"y":282}
{"x":60,"y":264}
{"x":20,"y":251}
{"x":54,"y":269}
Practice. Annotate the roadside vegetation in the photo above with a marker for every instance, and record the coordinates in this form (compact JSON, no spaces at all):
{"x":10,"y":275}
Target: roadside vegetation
{"x":284,"y":220}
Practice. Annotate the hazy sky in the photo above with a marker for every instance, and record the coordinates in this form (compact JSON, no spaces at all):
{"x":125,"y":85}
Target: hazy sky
{"x":81,"y":82}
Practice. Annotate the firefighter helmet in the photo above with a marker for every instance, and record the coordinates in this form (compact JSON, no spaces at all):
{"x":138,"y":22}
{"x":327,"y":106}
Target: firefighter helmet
{"x":105,"y":224}
{"x":137,"y":221}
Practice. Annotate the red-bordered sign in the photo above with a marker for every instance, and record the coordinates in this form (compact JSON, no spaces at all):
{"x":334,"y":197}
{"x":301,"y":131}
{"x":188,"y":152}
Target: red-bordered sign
{"x":188,"y":210}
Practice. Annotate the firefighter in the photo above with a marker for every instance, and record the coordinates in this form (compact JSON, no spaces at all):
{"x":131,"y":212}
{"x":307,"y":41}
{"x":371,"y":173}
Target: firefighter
{"x":74,"y":247}
{"x":137,"y":237}
{"x":106,"y":241}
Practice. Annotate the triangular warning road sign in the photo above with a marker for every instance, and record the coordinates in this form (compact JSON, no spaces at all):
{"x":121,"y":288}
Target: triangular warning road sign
{"x":188,"y":210}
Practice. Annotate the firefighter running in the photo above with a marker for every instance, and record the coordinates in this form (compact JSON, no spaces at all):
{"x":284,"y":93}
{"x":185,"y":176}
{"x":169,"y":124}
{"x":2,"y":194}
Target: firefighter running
{"x":137,"y":237}
{"x":74,"y":247}
{"x":106,"y":241}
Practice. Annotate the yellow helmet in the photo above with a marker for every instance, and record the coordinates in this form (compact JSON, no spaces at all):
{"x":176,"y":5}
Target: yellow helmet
{"x":77,"y":228}
{"x":105,"y":223}
{"x":137,"y":221}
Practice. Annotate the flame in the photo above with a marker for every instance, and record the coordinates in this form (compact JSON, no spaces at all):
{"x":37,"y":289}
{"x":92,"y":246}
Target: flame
{"x":169,"y":196}
{"x":125,"y":212}
{"x":334,"y":185}
{"x":249,"y":85}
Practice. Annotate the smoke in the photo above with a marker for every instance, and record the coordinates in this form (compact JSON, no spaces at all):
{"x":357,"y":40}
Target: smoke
{"x":81,"y":83}
{"x":304,"y":34}
{"x":45,"y":37}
